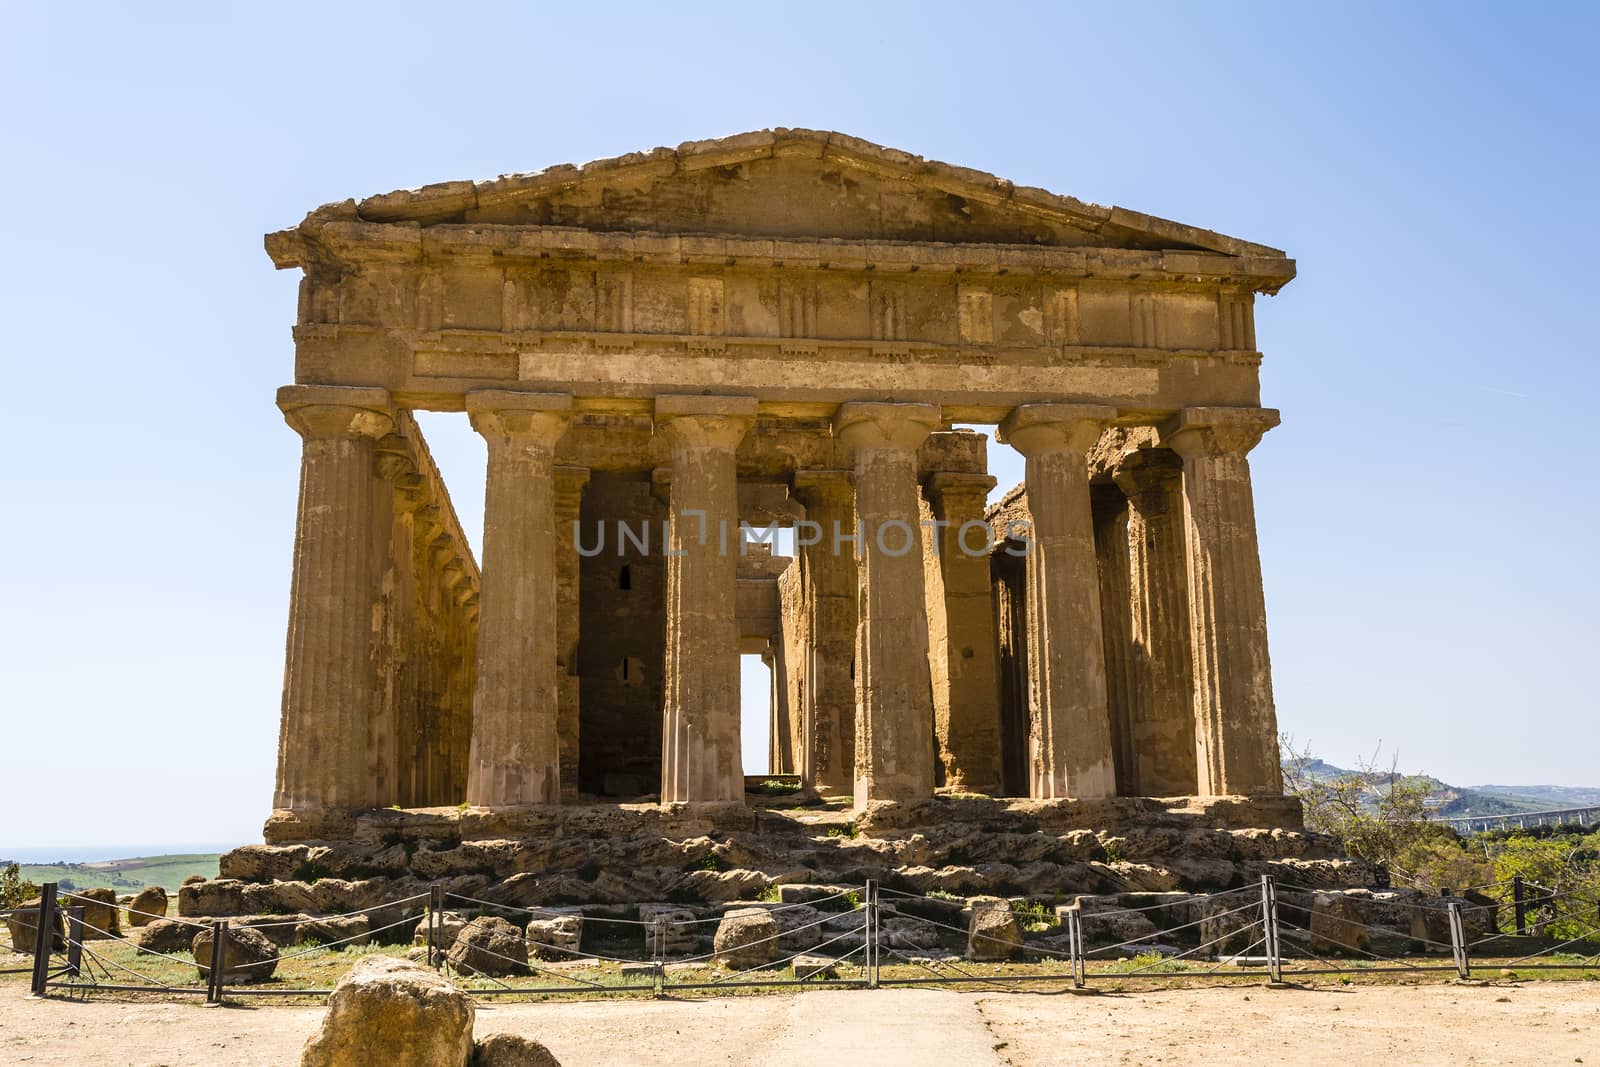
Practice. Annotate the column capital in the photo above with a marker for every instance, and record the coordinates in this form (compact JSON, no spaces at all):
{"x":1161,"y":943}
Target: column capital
{"x":1205,"y":431}
{"x":330,"y":411}
{"x":707,"y":421}
{"x":1036,"y":429}
{"x":821,"y":485}
{"x":1146,"y":469}
{"x":540,"y":417}
{"x":869,"y":425}
{"x":953,"y":483}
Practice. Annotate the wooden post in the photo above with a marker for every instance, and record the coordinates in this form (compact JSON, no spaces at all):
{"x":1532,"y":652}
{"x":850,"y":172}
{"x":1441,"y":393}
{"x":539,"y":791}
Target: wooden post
{"x":435,"y":922}
{"x":1520,"y":903}
{"x":43,"y":939}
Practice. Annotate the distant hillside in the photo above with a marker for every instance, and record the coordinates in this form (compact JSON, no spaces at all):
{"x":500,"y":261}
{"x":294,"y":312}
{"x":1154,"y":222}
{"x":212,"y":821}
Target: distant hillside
{"x":126,"y":875}
{"x":1546,"y":796}
{"x":1448,"y":801}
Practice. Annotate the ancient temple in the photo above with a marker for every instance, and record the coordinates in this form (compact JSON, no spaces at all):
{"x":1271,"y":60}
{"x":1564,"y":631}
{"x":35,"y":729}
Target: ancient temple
{"x":666,"y":350}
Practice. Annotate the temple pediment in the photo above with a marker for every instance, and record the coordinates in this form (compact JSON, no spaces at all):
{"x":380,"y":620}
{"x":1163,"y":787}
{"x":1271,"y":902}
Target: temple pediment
{"x":781,"y":184}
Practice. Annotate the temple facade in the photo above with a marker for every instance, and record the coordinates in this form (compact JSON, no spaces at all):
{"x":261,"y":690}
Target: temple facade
{"x":670,"y":349}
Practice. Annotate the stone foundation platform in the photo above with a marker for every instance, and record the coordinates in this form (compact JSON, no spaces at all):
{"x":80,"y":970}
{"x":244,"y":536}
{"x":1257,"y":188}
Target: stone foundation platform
{"x":617,"y":854}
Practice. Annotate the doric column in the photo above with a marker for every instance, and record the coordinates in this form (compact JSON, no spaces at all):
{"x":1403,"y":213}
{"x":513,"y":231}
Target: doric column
{"x":1160,"y":672}
{"x":894,"y":688}
{"x":1236,"y":725}
{"x":569,"y":501}
{"x":1070,"y":732}
{"x":700,"y":755}
{"x":829,"y":579}
{"x":1110,"y":515}
{"x":966,"y":708}
{"x":329,"y":683}
{"x":515,"y":758}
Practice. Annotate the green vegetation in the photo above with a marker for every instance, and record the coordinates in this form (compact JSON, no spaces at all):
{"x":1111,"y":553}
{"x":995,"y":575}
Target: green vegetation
{"x":1034,"y":916}
{"x":15,"y":889}
{"x":125,"y":876}
{"x":1383,"y":816}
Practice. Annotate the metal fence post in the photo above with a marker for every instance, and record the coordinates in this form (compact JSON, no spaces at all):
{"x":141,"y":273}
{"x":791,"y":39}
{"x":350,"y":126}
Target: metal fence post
{"x":1075,"y":947}
{"x":75,"y":939}
{"x":1269,"y":929}
{"x":43,"y":939}
{"x":219,"y":961}
{"x":1519,"y":903}
{"x":658,"y":950}
{"x":872,"y":934}
{"x":435,"y":922}
{"x":1458,"y":940}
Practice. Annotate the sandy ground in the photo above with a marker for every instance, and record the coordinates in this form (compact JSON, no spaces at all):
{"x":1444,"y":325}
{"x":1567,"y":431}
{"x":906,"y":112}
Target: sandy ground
{"x":1547,"y":1023}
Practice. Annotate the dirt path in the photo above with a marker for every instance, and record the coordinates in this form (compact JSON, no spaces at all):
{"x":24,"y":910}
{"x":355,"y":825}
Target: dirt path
{"x":1548,"y":1023}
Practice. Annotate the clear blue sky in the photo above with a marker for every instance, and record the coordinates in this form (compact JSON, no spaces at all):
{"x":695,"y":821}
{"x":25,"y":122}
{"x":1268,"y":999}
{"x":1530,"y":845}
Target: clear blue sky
{"x":1427,"y":509}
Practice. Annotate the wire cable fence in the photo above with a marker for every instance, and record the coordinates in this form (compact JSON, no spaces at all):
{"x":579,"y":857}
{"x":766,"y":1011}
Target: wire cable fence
{"x":1274,"y":930}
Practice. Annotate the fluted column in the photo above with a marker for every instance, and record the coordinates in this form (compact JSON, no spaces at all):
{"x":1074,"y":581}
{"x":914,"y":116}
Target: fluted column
{"x":1160,"y":670}
{"x":828,"y":568}
{"x":1236,"y":725}
{"x":514,"y":757}
{"x":569,"y":502}
{"x":700,"y":754}
{"x":894,"y":687}
{"x":967,"y":708}
{"x":329,"y":685}
{"x":1070,"y":742}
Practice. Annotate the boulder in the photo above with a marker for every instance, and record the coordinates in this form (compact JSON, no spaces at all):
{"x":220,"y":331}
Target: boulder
{"x":336,"y":931}
{"x":248,"y":956}
{"x":1230,"y":923}
{"x":992,"y":932}
{"x":451,"y":923}
{"x":100,"y":912}
{"x":148,"y":905}
{"x":392,"y":1012}
{"x":512,"y":1050}
{"x":815,"y":967}
{"x":1336,"y":925}
{"x":23,"y":926}
{"x":1106,"y":922}
{"x":1430,"y":922}
{"x":683,"y":934}
{"x":166,"y":937}
{"x":746,"y":937}
{"x":489,"y":945}
{"x":557,"y":939}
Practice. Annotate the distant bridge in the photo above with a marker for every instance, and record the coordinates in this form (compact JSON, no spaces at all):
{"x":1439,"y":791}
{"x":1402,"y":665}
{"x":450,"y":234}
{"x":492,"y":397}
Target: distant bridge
{"x":1477,"y":824}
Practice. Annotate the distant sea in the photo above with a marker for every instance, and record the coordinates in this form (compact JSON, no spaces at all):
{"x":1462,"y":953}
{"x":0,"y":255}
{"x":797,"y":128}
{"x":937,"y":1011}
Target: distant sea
{"x":96,"y":853}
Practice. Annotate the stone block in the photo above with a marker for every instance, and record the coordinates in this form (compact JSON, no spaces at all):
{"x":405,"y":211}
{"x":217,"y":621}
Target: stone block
{"x":746,"y":937}
{"x":23,"y":926}
{"x":992,"y":931}
{"x":148,"y":905}
{"x":248,"y":956}
{"x":100,"y":912}
{"x":389,"y":1011}
{"x":557,"y":938}
{"x":489,"y":946}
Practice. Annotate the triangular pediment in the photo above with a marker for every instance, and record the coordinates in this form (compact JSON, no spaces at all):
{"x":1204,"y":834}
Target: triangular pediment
{"x":789,"y":183}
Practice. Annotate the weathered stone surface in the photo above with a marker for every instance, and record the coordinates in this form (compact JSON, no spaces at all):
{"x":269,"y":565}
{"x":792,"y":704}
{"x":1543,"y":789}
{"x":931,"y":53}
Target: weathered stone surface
{"x":512,"y":1050}
{"x":248,"y":956}
{"x":815,"y":967}
{"x":992,"y":932}
{"x":164,"y":936}
{"x":339,"y":932}
{"x":746,"y":937}
{"x":450,"y":925}
{"x":100,"y":912}
{"x":555,"y":939}
{"x":393,"y":1013}
{"x":1430,"y":922}
{"x":1230,"y":924}
{"x":491,"y":946}
{"x":148,"y":905}
{"x":1336,"y":925}
{"x":23,"y":926}
{"x":681,"y":935}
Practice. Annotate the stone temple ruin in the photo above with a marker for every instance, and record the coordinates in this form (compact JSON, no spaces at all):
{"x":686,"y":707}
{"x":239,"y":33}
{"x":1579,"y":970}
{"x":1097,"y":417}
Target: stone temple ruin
{"x":1068,"y":692}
